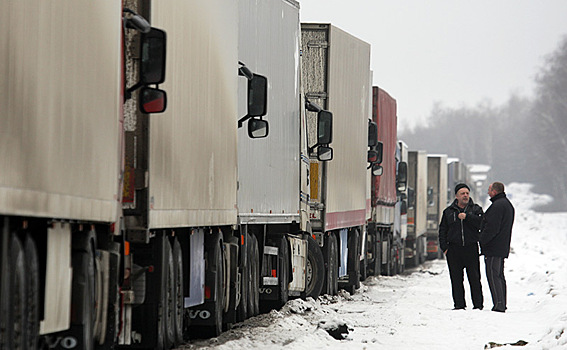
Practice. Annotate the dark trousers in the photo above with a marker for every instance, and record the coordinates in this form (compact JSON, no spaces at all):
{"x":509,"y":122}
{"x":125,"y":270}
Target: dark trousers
{"x":496,"y":281}
{"x":459,"y":258}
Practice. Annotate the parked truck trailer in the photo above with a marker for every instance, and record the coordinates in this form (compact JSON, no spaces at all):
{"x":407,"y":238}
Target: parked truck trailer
{"x":436,"y":201}
{"x":384,"y":243}
{"x":417,"y":209}
{"x":336,"y":76}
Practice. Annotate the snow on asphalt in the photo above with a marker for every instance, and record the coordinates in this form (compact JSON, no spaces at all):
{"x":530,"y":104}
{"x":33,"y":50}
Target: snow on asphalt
{"x":414,"y":310}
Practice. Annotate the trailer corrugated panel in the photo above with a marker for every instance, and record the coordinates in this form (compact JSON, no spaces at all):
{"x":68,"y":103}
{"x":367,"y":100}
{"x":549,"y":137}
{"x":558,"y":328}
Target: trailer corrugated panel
{"x":269,"y":168}
{"x":61,"y":98}
{"x":348,"y":100}
{"x":385,"y":116}
{"x":192,"y":163}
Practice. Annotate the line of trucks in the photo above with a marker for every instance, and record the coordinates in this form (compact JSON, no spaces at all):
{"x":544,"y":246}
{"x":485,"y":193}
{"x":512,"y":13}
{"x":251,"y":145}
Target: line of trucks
{"x":169,"y":168}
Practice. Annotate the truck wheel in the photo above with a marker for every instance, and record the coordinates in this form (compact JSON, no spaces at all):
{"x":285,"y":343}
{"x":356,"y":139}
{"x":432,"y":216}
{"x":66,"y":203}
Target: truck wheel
{"x":165,"y":324}
{"x":353,"y":262}
{"x":84,"y":289}
{"x":363,"y":265}
{"x":315,"y":271}
{"x":333,"y":265}
{"x":15,"y":322}
{"x":178,"y":289}
{"x":377,"y":263}
{"x":284,"y":262}
{"x":242,"y":308}
{"x":32,"y":294}
{"x":255,"y":277}
{"x":219,"y":289}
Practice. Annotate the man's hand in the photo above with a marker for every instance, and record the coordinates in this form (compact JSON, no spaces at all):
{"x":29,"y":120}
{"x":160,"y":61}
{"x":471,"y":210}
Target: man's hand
{"x":462,"y":216}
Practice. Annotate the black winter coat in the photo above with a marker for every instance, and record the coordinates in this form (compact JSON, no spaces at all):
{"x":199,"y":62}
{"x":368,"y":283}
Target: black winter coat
{"x":454,"y":231}
{"x":497,"y":227}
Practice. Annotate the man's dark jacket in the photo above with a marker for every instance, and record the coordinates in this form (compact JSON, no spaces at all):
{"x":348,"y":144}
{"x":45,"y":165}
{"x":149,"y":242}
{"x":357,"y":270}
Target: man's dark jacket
{"x":454,"y":231}
{"x":497,"y":227}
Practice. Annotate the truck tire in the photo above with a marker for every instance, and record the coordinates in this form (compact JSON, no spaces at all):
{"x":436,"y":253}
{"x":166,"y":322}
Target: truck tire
{"x":83,"y":293}
{"x":333,"y":265}
{"x":353,"y":262}
{"x":32,"y":293}
{"x":315,"y":271}
{"x":242,"y":308}
{"x":15,"y":320}
{"x":255,"y":278}
{"x":284,"y":262}
{"x":179,"y":294}
{"x":363,"y":266}
{"x":377,"y":262}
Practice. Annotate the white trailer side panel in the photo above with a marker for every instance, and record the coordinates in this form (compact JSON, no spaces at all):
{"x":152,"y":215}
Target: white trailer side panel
{"x":60,"y":92}
{"x":269,"y":168}
{"x":192,"y":163}
{"x":348,"y":100}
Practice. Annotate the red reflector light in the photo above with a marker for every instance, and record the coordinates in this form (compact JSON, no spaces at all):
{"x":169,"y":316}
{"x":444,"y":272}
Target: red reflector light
{"x":274,"y":273}
{"x":207,"y":292}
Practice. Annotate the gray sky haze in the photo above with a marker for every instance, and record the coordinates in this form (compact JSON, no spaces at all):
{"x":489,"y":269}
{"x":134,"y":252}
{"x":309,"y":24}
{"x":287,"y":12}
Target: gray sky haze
{"x":457,"y":53}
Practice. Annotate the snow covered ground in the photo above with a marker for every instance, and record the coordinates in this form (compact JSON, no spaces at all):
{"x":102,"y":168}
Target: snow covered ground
{"x":414,"y":310}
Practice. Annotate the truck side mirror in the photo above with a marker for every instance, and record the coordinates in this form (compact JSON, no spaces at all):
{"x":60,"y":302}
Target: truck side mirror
{"x":257,"y":96}
{"x":402,"y":176}
{"x":404,"y":208}
{"x":257,"y":128}
{"x":372,"y":134}
{"x":372,"y":156}
{"x":377,"y":170}
{"x":152,"y":67}
{"x":152,"y":100}
{"x":324,"y":127}
{"x":324,"y":153}
{"x":379,"y":151}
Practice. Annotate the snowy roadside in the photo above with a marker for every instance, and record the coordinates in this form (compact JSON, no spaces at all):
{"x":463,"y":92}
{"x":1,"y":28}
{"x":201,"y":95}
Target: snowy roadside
{"x":414,"y":310}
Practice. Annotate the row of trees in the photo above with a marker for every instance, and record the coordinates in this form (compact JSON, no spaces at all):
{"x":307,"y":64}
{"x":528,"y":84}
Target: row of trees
{"x":524,"y":140}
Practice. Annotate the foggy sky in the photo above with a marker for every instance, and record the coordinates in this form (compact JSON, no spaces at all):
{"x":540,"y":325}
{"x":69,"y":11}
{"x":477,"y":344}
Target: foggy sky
{"x":453,"y":52}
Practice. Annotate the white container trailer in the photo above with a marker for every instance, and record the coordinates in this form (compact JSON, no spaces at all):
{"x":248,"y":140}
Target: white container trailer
{"x":60,"y":156}
{"x":269,"y":171}
{"x":273,"y":172}
{"x":436,"y":201}
{"x":192,"y":146}
{"x":417,"y":208}
{"x":336,"y":76}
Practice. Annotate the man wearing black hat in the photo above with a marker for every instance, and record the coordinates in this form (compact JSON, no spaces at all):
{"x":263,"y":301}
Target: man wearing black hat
{"x":458,"y":238}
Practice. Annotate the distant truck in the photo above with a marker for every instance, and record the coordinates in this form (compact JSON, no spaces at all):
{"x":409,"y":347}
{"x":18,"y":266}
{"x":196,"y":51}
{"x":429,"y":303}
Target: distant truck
{"x":336,"y":77}
{"x":385,"y":241}
{"x":416,"y":243}
{"x":436,"y":201}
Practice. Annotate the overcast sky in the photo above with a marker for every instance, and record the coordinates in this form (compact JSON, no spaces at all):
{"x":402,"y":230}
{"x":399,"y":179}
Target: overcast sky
{"x":454,"y":52}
